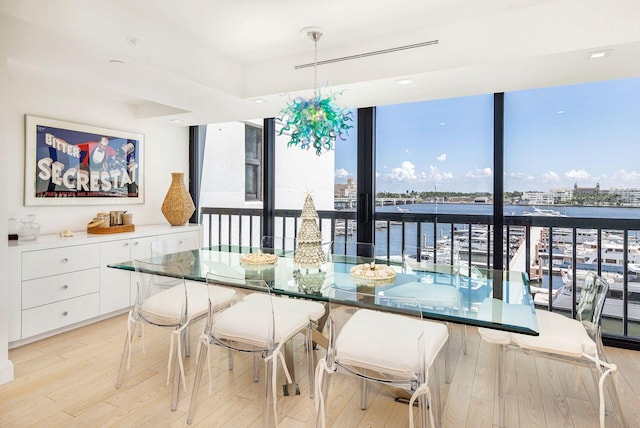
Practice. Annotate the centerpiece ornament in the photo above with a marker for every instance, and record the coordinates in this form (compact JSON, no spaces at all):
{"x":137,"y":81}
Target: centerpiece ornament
{"x":317,"y":121}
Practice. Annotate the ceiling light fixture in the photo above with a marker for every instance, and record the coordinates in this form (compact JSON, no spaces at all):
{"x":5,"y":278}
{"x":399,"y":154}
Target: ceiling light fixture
{"x":258,"y":101}
{"x":600,"y":54}
{"x":175,"y":121}
{"x":317,"y":121}
{"x":404,"y":81}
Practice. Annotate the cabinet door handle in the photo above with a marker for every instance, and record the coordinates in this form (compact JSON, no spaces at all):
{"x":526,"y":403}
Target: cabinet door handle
{"x":65,"y":260}
{"x":135,"y":243}
{"x":126,"y":244}
{"x":181,"y":242}
{"x":64,"y":287}
{"x":65,"y":313}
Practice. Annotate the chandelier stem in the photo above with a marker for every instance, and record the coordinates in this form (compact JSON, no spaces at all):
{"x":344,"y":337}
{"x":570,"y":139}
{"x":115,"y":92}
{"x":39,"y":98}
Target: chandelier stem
{"x":315,"y":67}
{"x":315,"y":36}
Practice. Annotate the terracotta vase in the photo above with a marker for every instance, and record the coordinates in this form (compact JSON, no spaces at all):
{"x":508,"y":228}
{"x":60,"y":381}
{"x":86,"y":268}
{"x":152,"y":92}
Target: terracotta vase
{"x":177,"y":206}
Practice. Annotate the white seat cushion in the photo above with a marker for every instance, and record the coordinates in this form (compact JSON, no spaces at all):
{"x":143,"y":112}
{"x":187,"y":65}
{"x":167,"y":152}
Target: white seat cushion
{"x":559,"y":335}
{"x":497,"y":337}
{"x":220,"y":296}
{"x":165,"y":308}
{"x":315,"y":310}
{"x":388,"y":343}
{"x":250,"y":323}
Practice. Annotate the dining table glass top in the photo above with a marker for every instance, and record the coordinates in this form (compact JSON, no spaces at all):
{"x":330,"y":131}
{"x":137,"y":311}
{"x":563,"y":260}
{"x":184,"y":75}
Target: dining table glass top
{"x":459,"y":294}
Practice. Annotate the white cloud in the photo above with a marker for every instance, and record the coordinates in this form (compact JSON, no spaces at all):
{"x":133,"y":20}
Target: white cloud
{"x":551,"y":176}
{"x":480,"y":173}
{"x":341,"y":173}
{"x":442,"y":157}
{"x":577,"y":174}
{"x":407,"y":171}
{"x":436,"y":175}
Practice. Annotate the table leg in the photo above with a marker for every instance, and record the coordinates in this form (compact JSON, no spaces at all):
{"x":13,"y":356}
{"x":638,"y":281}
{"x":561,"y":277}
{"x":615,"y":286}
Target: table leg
{"x":293,"y":388}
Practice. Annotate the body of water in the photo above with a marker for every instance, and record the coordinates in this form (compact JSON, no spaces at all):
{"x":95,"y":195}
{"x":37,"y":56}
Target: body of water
{"x":517,"y":210}
{"x":391,"y":234}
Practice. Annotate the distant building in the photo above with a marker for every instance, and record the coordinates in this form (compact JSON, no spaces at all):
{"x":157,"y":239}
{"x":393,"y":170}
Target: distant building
{"x":348,"y":190}
{"x":537,"y":198}
{"x":627,"y":196}
{"x":561,"y":195}
{"x":586,"y":190}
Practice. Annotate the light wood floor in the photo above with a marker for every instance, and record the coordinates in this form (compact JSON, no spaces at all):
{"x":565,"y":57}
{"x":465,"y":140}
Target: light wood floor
{"x":68,"y":380}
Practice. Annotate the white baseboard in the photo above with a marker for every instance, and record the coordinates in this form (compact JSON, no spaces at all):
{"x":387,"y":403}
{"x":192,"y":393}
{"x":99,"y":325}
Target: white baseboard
{"x":6,"y":371}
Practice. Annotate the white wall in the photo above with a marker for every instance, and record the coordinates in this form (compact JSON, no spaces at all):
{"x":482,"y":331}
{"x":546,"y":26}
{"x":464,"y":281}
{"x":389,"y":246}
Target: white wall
{"x":297,"y":172}
{"x":6,"y":367}
{"x":166,"y":147}
{"x":25,"y":92}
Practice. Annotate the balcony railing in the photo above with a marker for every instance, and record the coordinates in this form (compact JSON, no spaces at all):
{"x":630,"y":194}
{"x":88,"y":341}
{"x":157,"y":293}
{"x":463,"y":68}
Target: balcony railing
{"x":554,"y":251}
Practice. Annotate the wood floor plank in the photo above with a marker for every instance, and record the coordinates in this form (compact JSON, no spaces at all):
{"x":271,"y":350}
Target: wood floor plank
{"x":69,"y":381}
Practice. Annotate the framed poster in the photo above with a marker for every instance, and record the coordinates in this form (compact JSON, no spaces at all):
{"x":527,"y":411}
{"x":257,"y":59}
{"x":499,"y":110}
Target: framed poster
{"x":73,"y":164}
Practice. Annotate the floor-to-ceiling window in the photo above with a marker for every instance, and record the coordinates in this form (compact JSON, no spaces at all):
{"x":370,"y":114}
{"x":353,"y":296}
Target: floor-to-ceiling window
{"x":432,"y":157}
{"x":568,"y":152}
{"x":571,"y":152}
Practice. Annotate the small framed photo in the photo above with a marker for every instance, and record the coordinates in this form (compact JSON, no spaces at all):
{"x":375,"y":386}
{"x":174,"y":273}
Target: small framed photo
{"x":74,"y":164}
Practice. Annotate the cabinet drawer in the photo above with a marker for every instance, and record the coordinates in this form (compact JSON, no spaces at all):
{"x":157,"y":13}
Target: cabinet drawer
{"x":42,"y":291}
{"x":38,"y":264}
{"x":55,"y":315}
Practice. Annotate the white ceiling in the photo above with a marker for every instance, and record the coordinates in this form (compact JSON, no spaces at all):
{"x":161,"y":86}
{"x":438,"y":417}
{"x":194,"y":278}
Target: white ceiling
{"x":205,"y":61}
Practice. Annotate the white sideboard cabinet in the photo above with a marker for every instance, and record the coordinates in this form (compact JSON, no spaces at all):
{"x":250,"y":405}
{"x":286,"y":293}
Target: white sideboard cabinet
{"x":57,"y":284}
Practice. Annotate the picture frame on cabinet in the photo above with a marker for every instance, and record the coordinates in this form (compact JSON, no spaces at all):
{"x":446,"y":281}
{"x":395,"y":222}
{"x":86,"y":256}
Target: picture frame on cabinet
{"x":70,"y":163}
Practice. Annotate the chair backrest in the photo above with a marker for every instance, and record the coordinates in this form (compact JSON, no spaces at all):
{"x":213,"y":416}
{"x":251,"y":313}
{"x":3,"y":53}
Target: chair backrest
{"x":174,"y":252}
{"x":592,"y":297}
{"x":168,"y":246}
{"x":352,"y":252}
{"x":279,"y":245}
{"x":214,"y":281}
{"x":428,"y":254}
{"x":161,"y":297}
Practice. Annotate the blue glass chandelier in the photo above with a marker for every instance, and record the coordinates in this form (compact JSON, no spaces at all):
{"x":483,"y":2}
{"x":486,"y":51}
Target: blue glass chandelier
{"x":318,"y":121}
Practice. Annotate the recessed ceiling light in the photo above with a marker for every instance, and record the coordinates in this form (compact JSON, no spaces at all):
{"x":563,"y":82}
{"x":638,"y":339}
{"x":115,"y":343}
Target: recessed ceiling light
{"x":443,"y":123}
{"x":560,"y":112}
{"x":404,"y":81}
{"x":175,"y":121}
{"x":258,"y":101}
{"x":600,"y":54}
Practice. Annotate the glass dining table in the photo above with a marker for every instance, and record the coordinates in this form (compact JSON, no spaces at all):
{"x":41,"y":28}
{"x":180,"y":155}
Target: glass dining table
{"x":457,"y":294}
{"x":431,"y":285}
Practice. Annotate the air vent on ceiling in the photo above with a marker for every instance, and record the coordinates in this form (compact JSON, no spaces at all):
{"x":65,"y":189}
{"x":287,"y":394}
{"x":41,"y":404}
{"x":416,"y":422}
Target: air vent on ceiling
{"x":366,"y":54}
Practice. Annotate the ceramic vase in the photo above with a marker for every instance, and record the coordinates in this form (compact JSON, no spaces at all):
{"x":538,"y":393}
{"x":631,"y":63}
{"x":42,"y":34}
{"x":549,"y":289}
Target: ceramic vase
{"x":177,"y":206}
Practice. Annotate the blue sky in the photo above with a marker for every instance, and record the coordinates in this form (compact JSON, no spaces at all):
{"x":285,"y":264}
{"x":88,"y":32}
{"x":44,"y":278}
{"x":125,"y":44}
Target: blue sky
{"x":554,"y":137}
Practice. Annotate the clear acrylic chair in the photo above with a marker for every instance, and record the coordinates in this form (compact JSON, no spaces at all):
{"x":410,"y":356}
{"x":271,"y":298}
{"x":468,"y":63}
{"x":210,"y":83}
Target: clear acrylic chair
{"x":394,"y":349}
{"x":279,"y":245}
{"x":174,"y":251}
{"x":352,"y":252}
{"x":440,"y":283}
{"x":257,"y":325}
{"x":577,"y":341}
{"x":168,"y":246}
{"x":163,"y":299}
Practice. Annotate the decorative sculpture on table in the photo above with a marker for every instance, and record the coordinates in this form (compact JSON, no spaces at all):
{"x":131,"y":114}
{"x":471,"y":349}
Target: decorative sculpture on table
{"x":309,"y":252}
